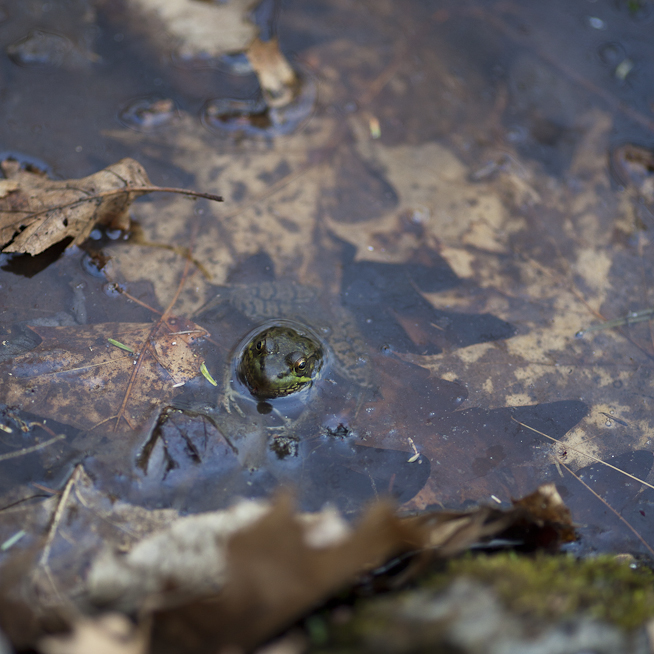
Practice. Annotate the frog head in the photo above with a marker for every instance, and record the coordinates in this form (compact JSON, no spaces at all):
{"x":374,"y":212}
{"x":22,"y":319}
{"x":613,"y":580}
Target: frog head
{"x":280,"y":360}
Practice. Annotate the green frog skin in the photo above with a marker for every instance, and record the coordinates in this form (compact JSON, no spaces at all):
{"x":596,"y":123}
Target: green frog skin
{"x":279,"y":361}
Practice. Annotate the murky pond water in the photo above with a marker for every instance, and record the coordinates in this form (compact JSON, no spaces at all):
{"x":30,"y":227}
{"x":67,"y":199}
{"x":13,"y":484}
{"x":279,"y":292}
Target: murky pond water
{"x":455,"y":192}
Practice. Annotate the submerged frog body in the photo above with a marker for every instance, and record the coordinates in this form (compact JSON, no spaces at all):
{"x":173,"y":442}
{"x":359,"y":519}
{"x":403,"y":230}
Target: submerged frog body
{"x":302,"y":361}
{"x":292,"y":377}
{"x":322,"y":318}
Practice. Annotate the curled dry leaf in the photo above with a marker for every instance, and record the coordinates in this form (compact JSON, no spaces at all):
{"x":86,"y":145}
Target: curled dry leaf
{"x":545,"y":509}
{"x":276,"y":571}
{"x":37,"y":212}
{"x":274,"y":576}
{"x":540,"y":521}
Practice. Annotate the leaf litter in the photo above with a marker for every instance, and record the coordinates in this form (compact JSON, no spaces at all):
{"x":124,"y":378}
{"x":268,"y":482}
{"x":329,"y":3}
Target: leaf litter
{"x":86,"y":376}
{"x":37,"y":212}
{"x":233,"y":577}
{"x":472,"y":246}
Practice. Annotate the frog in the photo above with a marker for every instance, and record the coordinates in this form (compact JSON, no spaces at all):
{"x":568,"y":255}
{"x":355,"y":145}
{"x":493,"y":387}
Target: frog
{"x":301,"y":362}
{"x":279,"y":360}
{"x":295,"y":390}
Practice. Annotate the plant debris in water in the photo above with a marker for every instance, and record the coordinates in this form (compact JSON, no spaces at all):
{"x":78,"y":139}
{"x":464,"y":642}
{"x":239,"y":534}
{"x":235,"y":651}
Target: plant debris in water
{"x":494,"y":159}
{"x":229,"y":578}
{"x":110,"y":371}
{"x":37,"y":212}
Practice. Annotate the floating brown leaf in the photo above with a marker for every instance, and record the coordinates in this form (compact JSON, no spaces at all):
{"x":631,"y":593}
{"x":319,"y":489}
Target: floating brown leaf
{"x":87,"y":375}
{"x":37,"y":212}
{"x":277,"y":78}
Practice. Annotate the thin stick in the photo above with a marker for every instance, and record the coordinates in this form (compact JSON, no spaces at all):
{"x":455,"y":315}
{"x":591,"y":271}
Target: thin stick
{"x":590,"y":456}
{"x":121,"y":191}
{"x":56,"y":521}
{"x":147,"y":349}
{"x":162,"y":189}
{"x":608,"y":506}
{"x":29,"y":450}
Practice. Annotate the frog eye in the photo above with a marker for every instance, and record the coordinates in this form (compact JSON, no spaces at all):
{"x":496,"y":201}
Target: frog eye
{"x":298,"y":362}
{"x":260,"y":345}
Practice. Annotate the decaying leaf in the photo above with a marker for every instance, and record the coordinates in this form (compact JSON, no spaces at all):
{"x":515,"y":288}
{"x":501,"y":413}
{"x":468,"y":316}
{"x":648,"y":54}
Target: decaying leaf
{"x":271,"y":564}
{"x":545,"y":507}
{"x":276,"y":573}
{"x":276,"y":77}
{"x":539,"y":521}
{"x":112,"y":633}
{"x":37,"y":212}
{"x":81,"y":377}
{"x":234,"y":577}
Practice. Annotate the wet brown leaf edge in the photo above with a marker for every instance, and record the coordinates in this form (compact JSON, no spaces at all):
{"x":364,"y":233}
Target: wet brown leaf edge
{"x":232,"y":578}
{"x":36,"y":212}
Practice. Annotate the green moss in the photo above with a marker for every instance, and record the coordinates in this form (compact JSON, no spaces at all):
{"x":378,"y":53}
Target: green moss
{"x":635,"y":6}
{"x":541,"y":589}
{"x":553,"y":587}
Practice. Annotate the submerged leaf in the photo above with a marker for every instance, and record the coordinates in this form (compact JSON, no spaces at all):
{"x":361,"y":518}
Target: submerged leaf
{"x":79,"y":376}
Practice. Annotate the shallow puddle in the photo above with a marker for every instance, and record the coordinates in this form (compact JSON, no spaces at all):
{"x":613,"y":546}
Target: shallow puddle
{"x":457,"y":194}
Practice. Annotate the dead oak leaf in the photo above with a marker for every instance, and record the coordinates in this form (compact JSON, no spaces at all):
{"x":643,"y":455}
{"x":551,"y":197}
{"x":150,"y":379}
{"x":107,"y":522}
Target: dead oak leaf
{"x":274,"y":576}
{"x":80,"y":377}
{"x":278,"y":569}
{"x":37,"y":212}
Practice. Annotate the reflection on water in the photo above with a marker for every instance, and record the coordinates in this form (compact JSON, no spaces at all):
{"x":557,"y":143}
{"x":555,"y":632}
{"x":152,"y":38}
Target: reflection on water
{"x":190,"y":465}
{"x":254,"y":118}
{"x":147,"y":113}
